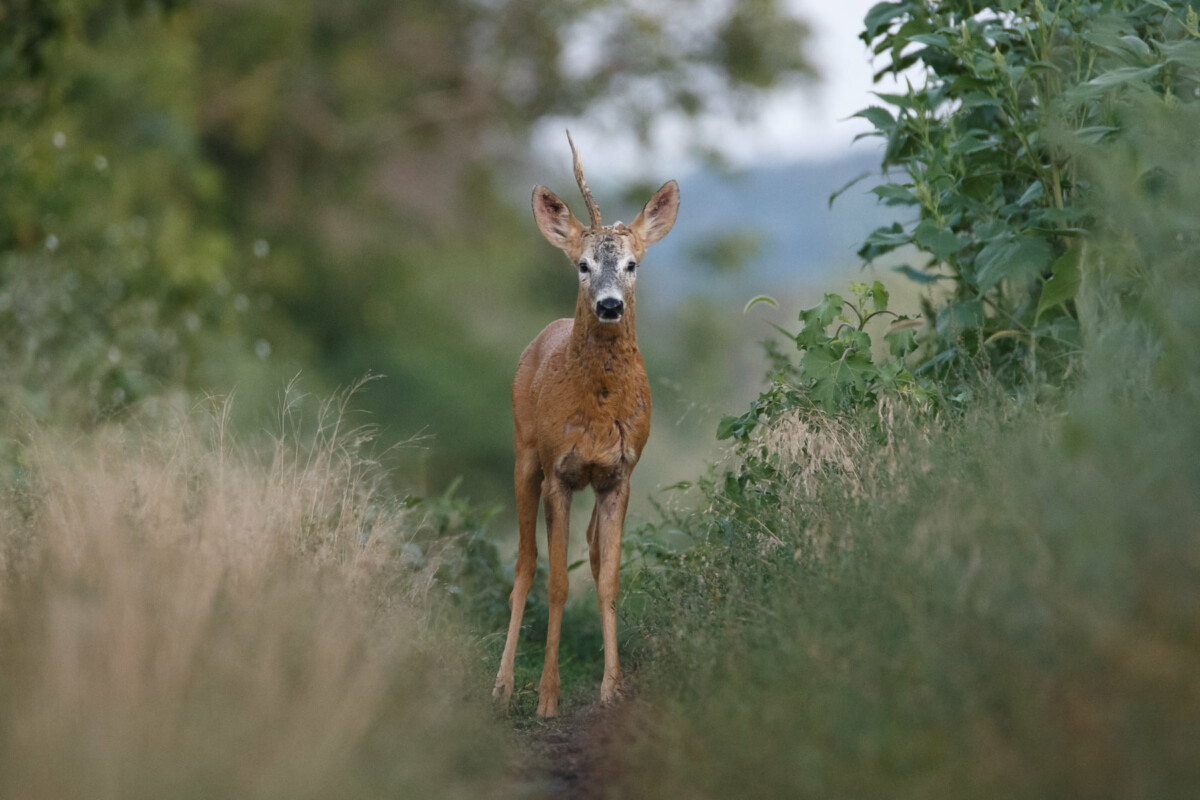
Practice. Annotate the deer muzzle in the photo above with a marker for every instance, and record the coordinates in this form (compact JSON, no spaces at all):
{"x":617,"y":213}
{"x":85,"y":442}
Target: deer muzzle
{"x":610,"y":309}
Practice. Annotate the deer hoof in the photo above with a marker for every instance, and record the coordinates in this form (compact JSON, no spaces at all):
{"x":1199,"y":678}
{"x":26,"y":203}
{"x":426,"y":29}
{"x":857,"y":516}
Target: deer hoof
{"x":610,"y":691}
{"x":502,"y":693}
{"x":547,"y":707}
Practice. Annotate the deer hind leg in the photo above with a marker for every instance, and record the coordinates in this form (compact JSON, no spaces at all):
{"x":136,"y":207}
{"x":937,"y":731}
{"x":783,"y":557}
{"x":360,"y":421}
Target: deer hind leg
{"x":527,"y":477}
{"x":594,"y":544}
{"x":557,"y":498}
{"x":610,"y":517}
{"x":593,"y":540}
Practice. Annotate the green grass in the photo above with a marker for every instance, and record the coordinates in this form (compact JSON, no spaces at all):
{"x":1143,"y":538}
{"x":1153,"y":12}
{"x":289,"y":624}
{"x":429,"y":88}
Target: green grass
{"x":1006,"y":605}
{"x":580,"y":659}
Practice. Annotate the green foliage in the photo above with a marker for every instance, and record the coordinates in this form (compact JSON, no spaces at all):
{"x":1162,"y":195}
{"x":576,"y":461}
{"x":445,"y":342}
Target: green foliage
{"x":394,"y":249}
{"x":872,"y":600}
{"x":838,"y":371}
{"x":470,"y":577}
{"x":199,"y":196}
{"x":880,"y":620}
{"x":992,"y":603}
{"x":1001,"y":98}
{"x":113,"y":267}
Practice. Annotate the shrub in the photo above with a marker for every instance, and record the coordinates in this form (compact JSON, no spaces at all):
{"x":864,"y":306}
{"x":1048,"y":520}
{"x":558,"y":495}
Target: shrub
{"x":873,"y":600}
{"x":985,"y":148}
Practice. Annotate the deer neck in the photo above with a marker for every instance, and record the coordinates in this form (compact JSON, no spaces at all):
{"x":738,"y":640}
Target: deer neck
{"x":601,"y":348}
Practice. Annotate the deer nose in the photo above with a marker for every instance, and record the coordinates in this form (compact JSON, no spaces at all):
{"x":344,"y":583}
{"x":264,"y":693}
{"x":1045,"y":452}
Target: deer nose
{"x":610,"y":308}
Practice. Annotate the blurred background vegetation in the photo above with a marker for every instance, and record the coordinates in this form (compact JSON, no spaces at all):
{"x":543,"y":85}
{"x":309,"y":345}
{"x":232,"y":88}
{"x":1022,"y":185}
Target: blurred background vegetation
{"x":950,"y":556}
{"x":202,"y":197}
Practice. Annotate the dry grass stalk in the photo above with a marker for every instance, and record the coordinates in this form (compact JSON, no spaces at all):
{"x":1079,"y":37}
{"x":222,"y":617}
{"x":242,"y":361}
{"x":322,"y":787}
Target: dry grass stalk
{"x":179,"y":618}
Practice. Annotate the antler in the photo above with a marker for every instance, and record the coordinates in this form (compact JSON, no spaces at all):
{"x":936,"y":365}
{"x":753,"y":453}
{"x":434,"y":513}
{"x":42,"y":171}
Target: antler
{"x":593,"y":209}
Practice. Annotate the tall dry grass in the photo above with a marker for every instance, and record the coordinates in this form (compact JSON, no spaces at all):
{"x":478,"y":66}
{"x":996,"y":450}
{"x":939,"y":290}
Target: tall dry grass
{"x":185,"y":616}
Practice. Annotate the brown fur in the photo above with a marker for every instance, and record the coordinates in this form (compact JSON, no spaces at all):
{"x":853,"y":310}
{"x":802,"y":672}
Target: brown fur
{"x":581,"y":412}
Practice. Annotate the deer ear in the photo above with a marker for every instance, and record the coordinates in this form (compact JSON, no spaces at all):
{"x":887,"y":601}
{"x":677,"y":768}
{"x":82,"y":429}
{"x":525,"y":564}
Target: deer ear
{"x":658,"y":217}
{"x":555,"y":220}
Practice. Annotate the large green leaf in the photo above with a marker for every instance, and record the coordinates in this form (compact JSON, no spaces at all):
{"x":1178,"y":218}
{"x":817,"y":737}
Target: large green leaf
{"x":879,"y":16}
{"x":1094,"y":133}
{"x":918,"y":276}
{"x":1185,"y":53}
{"x":1103,"y":83}
{"x":1035,"y":191}
{"x":1019,"y":259}
{"x":884,"y":240}
{"x":957,"y":317}
{"x":1122,"y":75}
{"x":737,"y":427}
{"x":835,"y":375}
{"x":894,"y":194}
{"x":880,"y":296}
{"x":941,"y":243}
{"x":881,"y":118}
{"x":1064,"y":281}
{"x":902,"y":338}
{"x":932,"y":39}
{"x":817,"y":319}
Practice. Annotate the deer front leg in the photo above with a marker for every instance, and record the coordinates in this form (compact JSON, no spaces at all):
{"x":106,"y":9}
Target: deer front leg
{"x":610,"y":517}
{"x":557,"y":501}
{"x":528,"y":484}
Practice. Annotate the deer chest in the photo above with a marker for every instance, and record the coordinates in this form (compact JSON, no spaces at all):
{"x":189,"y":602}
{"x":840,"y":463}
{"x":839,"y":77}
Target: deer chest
{"x":599,"y":443}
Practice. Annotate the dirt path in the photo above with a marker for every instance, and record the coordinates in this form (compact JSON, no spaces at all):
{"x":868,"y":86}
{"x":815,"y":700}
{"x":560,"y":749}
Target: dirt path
{"x":566,"y":757}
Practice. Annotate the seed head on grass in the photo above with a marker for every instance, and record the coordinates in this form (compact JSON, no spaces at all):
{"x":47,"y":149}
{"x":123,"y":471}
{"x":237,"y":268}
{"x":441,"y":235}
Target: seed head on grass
{"x":195,"y":616}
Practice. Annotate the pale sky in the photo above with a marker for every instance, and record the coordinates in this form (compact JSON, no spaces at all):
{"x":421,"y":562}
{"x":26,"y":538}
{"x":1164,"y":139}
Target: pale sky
{"x":810,"y":123}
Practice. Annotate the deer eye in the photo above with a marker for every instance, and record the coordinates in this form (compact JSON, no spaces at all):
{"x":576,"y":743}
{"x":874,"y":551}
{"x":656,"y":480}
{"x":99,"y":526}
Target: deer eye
{"x":631,"y":266}
{"x":583,"y":268}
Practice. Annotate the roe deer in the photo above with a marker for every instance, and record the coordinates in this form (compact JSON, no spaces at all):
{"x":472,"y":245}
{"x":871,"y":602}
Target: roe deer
{"x":581,"y":410}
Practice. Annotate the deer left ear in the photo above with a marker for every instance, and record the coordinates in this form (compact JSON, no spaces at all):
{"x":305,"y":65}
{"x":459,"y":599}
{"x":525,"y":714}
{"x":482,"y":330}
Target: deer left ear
{"x":658,"y":217}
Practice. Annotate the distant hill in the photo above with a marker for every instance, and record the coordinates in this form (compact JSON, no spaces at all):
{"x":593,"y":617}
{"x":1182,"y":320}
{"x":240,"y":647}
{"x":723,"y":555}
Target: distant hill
{"x":800,"y":239}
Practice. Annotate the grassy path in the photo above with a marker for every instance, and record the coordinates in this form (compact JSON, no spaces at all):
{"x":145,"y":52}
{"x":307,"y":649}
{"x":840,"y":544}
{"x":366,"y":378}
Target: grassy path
{"x":565,"y":757}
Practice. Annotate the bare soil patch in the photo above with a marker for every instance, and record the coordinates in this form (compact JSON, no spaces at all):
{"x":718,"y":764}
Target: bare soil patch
{"x":567,"y":757}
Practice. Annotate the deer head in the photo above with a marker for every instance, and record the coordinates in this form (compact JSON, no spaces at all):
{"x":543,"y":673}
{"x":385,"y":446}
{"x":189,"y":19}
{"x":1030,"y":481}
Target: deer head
{"x":607,"y":256}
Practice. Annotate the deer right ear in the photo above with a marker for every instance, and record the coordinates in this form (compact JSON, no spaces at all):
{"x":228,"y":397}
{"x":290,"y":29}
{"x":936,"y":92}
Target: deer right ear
{"x":556,"y":222}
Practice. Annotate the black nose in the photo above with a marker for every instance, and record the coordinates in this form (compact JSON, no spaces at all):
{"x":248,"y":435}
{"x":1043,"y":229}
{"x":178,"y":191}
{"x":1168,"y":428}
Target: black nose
{"x":609,"y":308}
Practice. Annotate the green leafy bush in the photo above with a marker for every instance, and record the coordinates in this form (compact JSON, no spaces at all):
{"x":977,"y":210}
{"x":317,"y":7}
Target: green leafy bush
{"x":871,"y":600}
{"x":984,"y":147}
{"x":114,"y":266}
{"x":992,"y":603}
{"x":838,"y":370}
